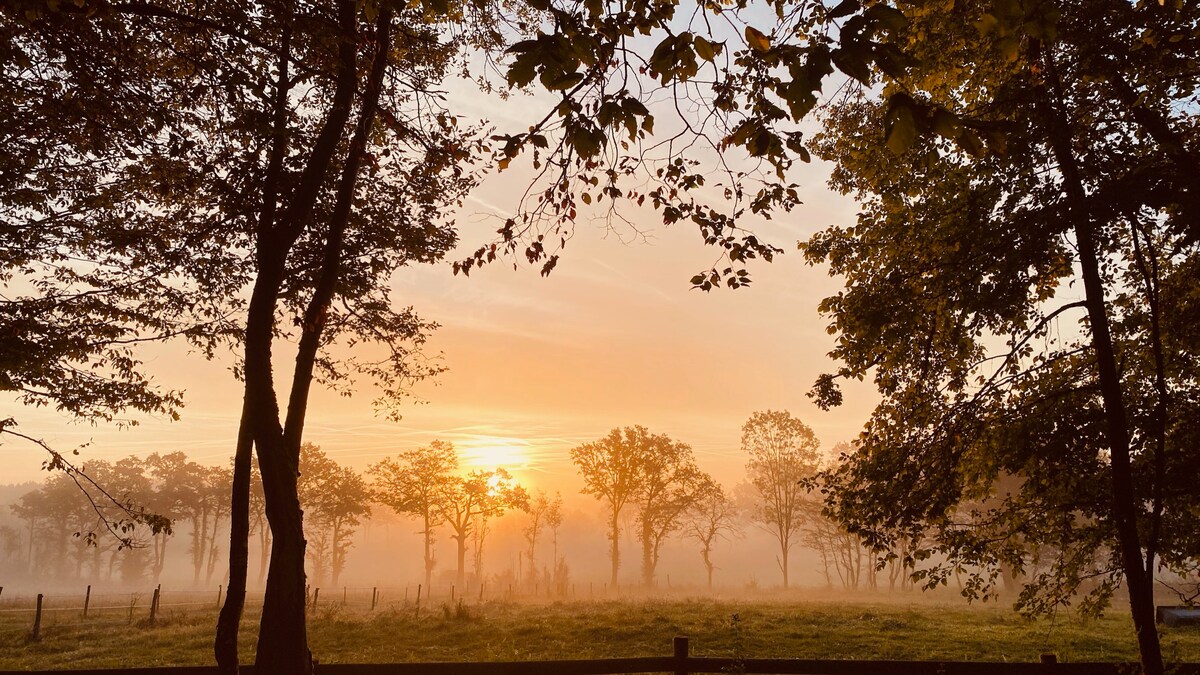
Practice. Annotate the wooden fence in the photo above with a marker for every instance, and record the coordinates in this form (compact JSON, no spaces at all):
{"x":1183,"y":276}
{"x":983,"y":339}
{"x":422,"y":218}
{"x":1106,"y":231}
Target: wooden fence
{"x":683,"y":663}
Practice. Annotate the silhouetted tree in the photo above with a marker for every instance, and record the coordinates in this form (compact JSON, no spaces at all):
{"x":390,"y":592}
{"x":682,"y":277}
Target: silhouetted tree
{"x":611,"y":469}
{"x":712,"y":516}
{"x":468,"y":501}
{"x":415,"y":483}
{"x":335,"y":498}
{"x":539,"y":507}
{"x":195,"y":493}
{"x":670,"y":485}
{"x":782,"y":452}
{"x":1020,"y":287}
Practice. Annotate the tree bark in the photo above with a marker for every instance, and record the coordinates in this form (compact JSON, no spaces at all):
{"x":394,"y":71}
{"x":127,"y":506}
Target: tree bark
{"x":1124,"y":502}
{"x":225,"y":648}
{"x":282,"y":635}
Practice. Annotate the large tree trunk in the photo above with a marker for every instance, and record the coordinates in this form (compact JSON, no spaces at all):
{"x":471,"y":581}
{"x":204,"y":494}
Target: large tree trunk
{"x":282,"y":635}
{"x":1138,"y":578}
{"x":282,"y":640}
{"x":225,"y":647}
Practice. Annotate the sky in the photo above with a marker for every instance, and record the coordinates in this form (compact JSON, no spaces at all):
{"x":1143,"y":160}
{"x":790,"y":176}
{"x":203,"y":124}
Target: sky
{"x":535,"y":366}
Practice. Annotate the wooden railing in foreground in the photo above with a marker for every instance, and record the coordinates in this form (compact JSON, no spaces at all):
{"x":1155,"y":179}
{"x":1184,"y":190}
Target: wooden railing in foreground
{"x":683,"y":663}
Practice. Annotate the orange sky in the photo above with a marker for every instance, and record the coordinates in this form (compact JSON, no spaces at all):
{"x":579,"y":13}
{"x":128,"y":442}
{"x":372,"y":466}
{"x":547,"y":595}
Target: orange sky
{"x":613,"y":337}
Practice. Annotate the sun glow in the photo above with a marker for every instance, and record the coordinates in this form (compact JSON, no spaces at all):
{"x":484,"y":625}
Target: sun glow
{"x":495,"y":452}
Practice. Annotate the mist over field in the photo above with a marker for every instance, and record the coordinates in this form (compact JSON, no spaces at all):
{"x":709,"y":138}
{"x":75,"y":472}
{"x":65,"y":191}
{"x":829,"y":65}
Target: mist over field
{"x":385,"y":551}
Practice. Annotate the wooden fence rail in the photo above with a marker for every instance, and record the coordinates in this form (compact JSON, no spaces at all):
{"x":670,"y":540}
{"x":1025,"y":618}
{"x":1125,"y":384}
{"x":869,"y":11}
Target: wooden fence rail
{"x":682,"y":663}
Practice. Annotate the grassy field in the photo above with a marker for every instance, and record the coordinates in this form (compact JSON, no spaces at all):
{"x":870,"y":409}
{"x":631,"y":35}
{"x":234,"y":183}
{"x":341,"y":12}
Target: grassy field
{"x":527,"y":631}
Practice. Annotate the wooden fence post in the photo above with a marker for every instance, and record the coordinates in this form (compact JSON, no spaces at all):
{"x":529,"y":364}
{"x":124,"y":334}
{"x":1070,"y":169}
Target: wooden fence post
{"x":343,"y":595}
{"x":316,"y":594}
{"x":681,"y":654}
{"x":220,"y":588}
{"x":451,"y":592}
{"x":87,"y":600}
{"x":417,"y":614}
{"x":36,"y":634}
{"x":154,"y":606}
{"x":481,"y":584}
{"x":132,"y":602}
{"x":374,"y":597}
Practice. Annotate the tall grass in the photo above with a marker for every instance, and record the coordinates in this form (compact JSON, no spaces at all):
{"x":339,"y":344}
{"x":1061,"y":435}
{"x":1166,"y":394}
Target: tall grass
{"x":496,"y":630}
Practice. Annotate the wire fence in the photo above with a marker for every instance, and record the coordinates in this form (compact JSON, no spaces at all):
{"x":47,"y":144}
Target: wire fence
{"x":93,"y":606}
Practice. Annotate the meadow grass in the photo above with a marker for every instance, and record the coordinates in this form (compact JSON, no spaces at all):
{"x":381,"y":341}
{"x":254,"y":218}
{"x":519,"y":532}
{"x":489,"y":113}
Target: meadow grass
{"x":513,"y":631}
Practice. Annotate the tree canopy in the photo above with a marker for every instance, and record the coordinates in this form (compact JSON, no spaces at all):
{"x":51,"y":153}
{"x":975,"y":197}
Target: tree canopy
{"x":1015,"y":287}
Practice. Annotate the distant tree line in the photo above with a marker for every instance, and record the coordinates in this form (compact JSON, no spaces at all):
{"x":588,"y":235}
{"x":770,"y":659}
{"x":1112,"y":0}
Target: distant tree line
{"x":640,"y":477}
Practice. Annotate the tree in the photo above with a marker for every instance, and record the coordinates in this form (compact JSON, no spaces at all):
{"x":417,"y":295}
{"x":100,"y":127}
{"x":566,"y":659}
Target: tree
{"x":539,"y":510}
{"x":68,"y":515}
{"x":670,"y":485}
{"x":611,"y":469}
{"x":127,"y":481}
{"x":217,"y":486}
{"x":335,"y":498}
{"x":1014,"y":286}
{"x":782,"y":454}
{"x":246,"y":161}
{"x":415,"y":483}
{"x":54,"y":514}
{"x":712,"y":516}
{"x":189,"y":491}
{"x":554,"y":521}
{"x":467,"y":504}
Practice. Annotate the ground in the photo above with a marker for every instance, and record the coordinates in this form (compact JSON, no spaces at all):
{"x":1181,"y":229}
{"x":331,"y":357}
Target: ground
{"x":505,"y":631}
